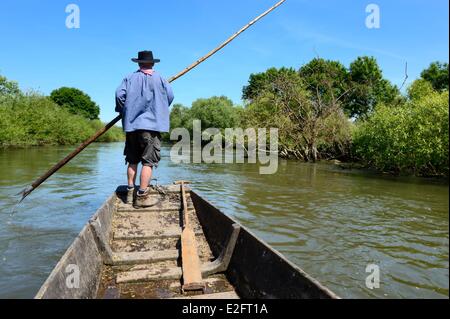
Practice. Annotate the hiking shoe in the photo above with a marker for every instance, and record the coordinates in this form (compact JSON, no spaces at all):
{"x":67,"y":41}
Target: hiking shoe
{"x":146,"y":199}
{"x":130,"y":195}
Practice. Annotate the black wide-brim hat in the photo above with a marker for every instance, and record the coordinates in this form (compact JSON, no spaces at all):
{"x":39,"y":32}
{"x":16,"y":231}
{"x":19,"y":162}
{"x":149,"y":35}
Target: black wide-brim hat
{"x":145,"y":57}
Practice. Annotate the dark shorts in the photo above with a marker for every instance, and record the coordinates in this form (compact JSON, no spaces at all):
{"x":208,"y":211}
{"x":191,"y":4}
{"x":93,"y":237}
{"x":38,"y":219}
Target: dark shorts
{"x":144,"y":147}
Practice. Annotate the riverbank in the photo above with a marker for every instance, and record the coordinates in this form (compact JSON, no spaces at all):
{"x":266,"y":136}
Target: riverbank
{"x":348,"y":163}
{"x":366,"y":169}
{"x":35,"y":120}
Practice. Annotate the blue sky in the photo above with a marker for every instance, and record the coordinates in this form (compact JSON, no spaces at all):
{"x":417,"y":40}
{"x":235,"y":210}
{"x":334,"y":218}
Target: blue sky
{"x":38,"y":51}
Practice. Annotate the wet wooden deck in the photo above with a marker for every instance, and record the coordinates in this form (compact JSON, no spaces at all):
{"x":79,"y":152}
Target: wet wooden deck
{"x":146,"y":252}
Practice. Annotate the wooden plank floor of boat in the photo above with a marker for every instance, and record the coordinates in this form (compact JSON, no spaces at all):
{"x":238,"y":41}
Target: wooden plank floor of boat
{"x":146,"y":244}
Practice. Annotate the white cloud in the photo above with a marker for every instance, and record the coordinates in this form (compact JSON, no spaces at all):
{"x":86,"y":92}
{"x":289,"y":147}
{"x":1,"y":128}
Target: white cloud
{"x":301,"y":33}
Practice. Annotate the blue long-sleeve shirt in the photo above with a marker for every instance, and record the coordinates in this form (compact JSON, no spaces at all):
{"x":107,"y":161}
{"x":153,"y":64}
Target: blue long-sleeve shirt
{"x":144,"y":100}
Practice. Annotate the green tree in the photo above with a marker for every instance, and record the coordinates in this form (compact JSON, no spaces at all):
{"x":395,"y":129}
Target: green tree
{"x":307,"y":113}
{"x":326,"y":80}
{"x":180,"y":116}
{"x":437,"y":75}
{"x":368,"y":88}
{"x":216,"y":111}
{"x":260,"y":83}
{"x":76,"y":102}
{"x":8,"y":88}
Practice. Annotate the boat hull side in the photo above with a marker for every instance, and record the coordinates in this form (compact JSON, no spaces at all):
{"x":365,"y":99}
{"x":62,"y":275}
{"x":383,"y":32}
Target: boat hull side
{"x":77,"y":274}
{"x":256,"y":270}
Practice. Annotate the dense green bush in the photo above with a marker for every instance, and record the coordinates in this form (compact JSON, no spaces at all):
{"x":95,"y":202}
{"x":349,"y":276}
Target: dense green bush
{"x":180,"y":116}
{"x":33,"y":119}
{"x":217,"y":111}
{"x":114,"y":134}
{"x":412,"y":137}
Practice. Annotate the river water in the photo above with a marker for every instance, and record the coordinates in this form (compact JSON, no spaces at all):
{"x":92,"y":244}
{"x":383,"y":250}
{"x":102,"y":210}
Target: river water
{"x":332,"y":223}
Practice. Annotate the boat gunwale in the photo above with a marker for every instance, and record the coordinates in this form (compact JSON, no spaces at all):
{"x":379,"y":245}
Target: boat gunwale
{"x":326,"y":290}
{"x":114,"y":196}
{"x":62,"y":261}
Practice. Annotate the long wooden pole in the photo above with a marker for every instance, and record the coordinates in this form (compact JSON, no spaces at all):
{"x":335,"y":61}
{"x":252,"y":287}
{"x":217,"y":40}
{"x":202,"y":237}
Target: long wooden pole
{"x":193,"y":65}
{"x":102,"y":131}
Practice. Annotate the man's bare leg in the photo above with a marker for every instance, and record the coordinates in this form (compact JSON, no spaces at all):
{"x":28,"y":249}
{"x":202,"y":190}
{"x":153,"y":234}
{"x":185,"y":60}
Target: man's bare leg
{"x":131,"y":172}
{"x":146,"y":175}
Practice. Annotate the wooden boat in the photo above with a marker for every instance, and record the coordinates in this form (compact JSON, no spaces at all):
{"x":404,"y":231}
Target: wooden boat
{"x":123,"y":252}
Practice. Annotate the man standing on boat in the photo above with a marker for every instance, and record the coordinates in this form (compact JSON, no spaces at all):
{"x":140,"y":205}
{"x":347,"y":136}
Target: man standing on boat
{"x":143,"y":98}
